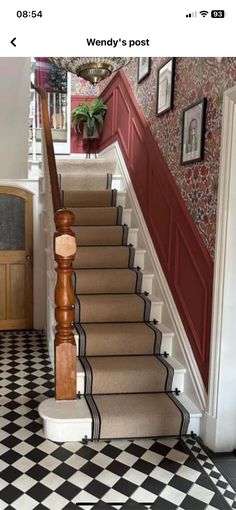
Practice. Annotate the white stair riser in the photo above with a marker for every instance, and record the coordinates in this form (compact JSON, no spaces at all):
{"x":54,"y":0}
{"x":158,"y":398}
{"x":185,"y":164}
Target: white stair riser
{"x":62,"y":432}
{"x":166,"y":343}
{"x":127,"y":216}
{"x":118,"y":183}
{"x":139,"y":258}
{"x":178,"y":380}
{"x":194,"y":425}
{"x":120,"y":199}
{"x":80,"y":382}
{"x":156,"y":310}
{"x":75,"y":424}
{"x":147,"y":283}
{"x":133,"y":236}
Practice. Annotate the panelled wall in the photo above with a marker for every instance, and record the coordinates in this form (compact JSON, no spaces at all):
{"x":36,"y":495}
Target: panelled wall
{"x":185,"y":260}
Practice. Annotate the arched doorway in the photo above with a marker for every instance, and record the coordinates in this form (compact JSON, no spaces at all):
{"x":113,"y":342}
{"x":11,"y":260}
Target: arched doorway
{"x":16,"y":258}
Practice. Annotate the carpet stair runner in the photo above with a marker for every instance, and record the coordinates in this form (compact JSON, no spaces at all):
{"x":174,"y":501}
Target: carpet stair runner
{"x":128,"y":384}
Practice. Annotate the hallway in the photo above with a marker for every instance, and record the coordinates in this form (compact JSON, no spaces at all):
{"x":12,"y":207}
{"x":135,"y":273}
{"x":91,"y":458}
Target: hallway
{"x":39,"y":474}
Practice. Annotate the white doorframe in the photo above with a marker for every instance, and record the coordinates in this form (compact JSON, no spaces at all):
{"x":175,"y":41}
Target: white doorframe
{"x":219,"y":426}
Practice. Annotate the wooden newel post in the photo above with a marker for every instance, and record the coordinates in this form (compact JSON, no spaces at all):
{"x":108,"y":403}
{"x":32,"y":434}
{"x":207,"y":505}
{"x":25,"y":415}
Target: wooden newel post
{"x":65,"y":347}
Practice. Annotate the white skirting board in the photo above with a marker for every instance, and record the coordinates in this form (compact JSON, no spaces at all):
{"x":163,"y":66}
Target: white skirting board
{"x":170,"y":318}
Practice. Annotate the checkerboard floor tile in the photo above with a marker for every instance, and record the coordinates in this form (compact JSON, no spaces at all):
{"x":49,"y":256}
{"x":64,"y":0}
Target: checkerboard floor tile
{"x":37,"y":474}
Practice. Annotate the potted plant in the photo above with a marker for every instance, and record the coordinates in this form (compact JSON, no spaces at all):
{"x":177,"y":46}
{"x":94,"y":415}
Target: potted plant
{"x":90,"y":115}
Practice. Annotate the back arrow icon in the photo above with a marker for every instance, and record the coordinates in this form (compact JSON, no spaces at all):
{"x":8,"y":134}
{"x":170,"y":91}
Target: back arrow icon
{"x":13,"y":41}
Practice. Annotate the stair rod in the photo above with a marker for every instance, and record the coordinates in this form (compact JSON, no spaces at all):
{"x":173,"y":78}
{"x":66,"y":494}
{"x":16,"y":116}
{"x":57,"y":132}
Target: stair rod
{"x":64,"y":253}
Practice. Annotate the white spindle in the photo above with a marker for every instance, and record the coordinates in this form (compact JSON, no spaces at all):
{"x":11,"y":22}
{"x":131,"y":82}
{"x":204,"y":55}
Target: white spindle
{"x":34,"y":127}
{"x":60,"y":110}
{"x":54,"y":111}
{"x":38,"y":113}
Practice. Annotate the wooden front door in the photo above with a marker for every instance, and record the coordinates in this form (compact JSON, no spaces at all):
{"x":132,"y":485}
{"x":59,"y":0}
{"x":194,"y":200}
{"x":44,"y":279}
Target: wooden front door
{"x":16,"y":251}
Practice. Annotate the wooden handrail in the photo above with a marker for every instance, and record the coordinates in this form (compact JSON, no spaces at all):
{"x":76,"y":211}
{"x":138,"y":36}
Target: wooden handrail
{"x":56,"y":195}
{"x":64,"y":253}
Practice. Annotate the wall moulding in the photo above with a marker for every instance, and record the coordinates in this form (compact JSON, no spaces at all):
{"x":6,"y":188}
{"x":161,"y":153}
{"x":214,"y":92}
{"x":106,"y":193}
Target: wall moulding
{"x":149,"y":173}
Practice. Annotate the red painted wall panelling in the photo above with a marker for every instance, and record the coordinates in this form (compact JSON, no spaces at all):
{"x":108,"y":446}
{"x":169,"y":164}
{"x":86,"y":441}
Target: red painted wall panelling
{"x":108,"y":128}
{"x":186,"y":262}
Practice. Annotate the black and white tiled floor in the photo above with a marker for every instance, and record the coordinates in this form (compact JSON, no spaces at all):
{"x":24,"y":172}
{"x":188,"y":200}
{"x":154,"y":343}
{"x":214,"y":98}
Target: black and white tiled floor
{"x":38,"y":474}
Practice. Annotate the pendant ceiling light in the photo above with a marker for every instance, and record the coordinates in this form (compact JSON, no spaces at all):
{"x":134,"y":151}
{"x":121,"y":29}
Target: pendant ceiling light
{"x":93,"y":69}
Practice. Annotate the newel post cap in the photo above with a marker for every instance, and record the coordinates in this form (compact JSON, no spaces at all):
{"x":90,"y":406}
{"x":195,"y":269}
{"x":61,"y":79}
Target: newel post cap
{"x":64,"y":219}
{"x":64,"y":238}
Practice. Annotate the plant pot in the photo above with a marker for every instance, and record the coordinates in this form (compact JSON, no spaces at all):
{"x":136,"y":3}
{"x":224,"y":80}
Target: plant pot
{"x":94,"y":136}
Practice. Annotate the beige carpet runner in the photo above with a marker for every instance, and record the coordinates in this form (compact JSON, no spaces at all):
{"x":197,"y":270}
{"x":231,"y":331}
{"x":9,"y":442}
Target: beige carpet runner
{"x":128,"y":384}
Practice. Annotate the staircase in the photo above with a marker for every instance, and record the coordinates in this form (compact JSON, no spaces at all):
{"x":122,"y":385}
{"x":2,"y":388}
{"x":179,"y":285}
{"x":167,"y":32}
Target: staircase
{"x":128,"y":386}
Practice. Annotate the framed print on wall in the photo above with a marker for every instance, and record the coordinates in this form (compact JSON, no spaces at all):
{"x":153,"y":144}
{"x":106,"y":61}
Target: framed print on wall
{"x":193,"y":131}
{"x":165,"y":86}
{"x":144,"y":68}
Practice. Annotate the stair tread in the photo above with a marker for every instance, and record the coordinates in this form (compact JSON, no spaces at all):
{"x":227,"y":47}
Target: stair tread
{"x":108,"y":280}
{"x":95,"y":257}
{"x":100,"y":235}
{"x":92,"y":198}
{"x":97,"y":215}
{"x":77,"y":165}
{"x":120,"y":361}
{"x":116,"y":297}
{"x":106,"y":248}
{"x":85,"y":180}
{"x":138,"y":415}
{"x":118,"y":338}
{"x":112,"y":308}
{"x":105,"y":271}
{"x":125,"y":374}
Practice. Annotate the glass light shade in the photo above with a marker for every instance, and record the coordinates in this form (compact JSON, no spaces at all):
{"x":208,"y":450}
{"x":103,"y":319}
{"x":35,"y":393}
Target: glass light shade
{"x":93,"y":69}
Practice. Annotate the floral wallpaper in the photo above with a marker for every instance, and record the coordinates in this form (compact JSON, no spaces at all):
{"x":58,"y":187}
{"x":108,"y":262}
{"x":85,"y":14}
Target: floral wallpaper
{"x":82,"y":88}
{"x":194,"y":79}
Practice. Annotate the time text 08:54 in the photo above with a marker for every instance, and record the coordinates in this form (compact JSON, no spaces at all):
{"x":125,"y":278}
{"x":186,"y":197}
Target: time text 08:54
{"x":29,"y":14}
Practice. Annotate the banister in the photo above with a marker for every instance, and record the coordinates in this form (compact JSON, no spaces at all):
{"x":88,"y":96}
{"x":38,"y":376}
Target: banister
{"x":56,"y":195}
{"x":64,"y":253}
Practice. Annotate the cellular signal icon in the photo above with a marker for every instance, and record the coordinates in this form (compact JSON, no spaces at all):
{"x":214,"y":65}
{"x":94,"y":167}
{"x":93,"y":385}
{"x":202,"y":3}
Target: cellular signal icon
{"x":191,"y":14}
{"x":204,"y":13}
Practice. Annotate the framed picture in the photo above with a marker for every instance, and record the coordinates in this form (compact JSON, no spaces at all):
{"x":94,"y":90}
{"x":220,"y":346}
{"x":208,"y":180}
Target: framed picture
{"x":165,"y":85}
{"x":193,"y":130}
{"x":144,"y":68}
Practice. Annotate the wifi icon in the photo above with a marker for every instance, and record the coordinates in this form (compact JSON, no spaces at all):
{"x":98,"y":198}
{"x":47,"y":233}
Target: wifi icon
{"x":204,"y":13}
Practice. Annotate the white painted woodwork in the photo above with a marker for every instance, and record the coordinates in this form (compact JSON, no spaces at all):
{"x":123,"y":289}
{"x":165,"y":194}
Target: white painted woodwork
{"x":164,"y":306}
{"x":219,"y":425}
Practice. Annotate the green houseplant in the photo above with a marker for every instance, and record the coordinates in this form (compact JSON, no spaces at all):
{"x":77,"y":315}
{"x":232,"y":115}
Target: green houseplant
{"x":90,"y":115}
